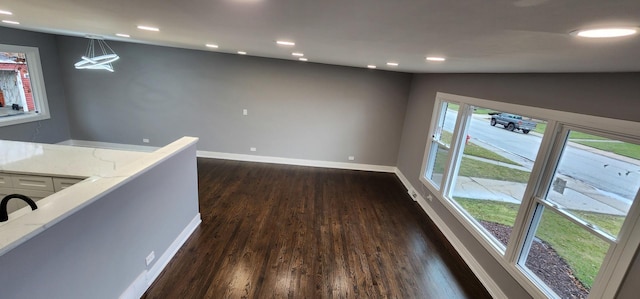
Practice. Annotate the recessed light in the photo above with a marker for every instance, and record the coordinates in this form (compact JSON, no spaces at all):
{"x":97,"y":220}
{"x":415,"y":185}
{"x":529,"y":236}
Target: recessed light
{"x":302,"y":59}
{"x":242,"y":52}
{"x":11,"y":22}
{"x":433,"y":58}
{"x":4,"y":12}
{"x":285,"y":43}
{"x":211,"y":46}
{"x":392,"y":63}
{"x":122,"y":35}
{"x":371,"y":66}
{"x":148,"y":28}
{"x":606,"y":32}
{"x":297,"y":54}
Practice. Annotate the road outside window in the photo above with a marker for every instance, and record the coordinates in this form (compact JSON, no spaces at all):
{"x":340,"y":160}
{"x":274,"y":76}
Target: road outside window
{"x":495,"y":167}
{"x":550,"y":194}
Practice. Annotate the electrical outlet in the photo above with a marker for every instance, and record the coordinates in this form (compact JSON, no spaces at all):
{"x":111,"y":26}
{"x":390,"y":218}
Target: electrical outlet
{"x":150,"y":257}
{"x":145,"y":140}
{"x":430,"y":197}
{"x":412,"y":192}
{"x":245,"y":112}
{"x":351,"y":158}
{"x":253,"y":149}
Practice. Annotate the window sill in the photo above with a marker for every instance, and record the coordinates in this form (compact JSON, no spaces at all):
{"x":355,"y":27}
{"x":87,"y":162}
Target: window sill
{"x":11,"y":120}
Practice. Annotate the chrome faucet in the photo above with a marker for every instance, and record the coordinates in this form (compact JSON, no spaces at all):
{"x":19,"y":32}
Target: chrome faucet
{"x":4,"y":216}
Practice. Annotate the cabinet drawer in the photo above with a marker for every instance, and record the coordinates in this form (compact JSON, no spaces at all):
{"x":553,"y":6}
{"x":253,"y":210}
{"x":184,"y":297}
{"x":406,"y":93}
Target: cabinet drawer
{"x":32,"y":182}
{"x":63,"y":183}
{"x":5,"y":180}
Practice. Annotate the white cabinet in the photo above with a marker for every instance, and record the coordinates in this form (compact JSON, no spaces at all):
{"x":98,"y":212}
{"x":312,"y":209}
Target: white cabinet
{"x":34,"y":186}
{"x":5,"y":181}
{"x":31,"y":182}
{"x":16,"y":204}
{"x":64,"y":183}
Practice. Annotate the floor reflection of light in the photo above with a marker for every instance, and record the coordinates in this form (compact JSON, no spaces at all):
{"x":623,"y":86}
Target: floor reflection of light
{"x":283,"y":282}
{"x":240,"y":282}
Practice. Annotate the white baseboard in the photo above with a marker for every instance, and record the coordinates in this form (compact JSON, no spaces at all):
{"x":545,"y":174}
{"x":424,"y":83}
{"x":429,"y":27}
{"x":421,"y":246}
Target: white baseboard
{"x":109,"y":145}
{"x":172,"y":250}
{"x":299,"y":162}
{"x":486,"y":280}
{"x":237,"y":157}
{"x":140,"y":285}
{"x":137,"y":287}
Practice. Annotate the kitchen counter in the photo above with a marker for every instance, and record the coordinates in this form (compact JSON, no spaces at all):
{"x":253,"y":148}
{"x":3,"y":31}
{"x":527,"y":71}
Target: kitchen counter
{"x":62,"y":160}
{"x":104,"y":169}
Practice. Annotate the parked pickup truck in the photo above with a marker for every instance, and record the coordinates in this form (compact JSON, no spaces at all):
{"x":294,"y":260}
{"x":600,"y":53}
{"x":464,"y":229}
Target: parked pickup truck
{"x":512,"y":122}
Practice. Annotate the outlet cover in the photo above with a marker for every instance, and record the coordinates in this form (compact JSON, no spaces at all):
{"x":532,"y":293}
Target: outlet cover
{"x":145,"y":140}
{"x":412,"y":192}
{"x":245,"y":112}
{"x":253,"y":149}
{"x":150,"y":257}
{"x":351,"y":158}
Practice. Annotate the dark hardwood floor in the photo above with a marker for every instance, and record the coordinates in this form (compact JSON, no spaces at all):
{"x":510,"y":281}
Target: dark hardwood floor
{"x":278,"y":231}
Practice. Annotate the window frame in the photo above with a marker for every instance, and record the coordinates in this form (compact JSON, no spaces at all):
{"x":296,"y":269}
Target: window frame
{"x":620,"y":254}
{"x":38,"y":88}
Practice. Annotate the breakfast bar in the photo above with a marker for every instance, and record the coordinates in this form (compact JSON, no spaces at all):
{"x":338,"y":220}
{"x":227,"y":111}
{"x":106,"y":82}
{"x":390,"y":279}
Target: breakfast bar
{"x":107,"y":235}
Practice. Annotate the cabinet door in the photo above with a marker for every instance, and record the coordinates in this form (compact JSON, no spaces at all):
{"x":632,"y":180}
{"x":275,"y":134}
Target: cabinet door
{"x":5,"y":180}
{"x":63,"y":183}
{"x":32,"y":182}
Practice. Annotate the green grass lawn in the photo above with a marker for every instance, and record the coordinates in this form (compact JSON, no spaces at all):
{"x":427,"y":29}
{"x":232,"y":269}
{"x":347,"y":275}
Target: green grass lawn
{"x":607,"y":223}
{"x":473,"y":149}
{"x":579,"y":135}
{"x":483,"y":111}
{"x":456,"y":107}
{"x":583,"y":251}
{"x":480,"y":169}
{"x":572,"y":136}
{"x":621,"y":148}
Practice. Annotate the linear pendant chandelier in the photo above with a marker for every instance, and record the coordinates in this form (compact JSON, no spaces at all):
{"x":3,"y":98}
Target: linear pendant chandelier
{"x":98,"y":56}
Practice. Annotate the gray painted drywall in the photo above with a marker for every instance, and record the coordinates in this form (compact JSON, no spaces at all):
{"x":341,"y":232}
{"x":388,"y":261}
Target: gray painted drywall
{"x":100,"y":250}
{"x":614,"y":95}
{"x":56,"y":128}
{"x":296,"y":109}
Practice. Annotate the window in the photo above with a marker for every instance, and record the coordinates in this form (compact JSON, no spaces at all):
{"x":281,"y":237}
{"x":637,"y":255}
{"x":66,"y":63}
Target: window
{"x":552,"y":195}
{"x":441,"y":142}
{"x":22,"y":91}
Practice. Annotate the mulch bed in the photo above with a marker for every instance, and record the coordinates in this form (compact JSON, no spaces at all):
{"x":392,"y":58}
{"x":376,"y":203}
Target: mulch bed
{"x":545,"y":262}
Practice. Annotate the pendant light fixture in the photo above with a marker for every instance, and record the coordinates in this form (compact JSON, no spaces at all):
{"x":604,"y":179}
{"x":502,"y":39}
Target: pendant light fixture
{"x":98,"y":56}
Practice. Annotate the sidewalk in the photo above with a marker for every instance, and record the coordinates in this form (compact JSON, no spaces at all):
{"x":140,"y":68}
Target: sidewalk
{"x":575,"y":197}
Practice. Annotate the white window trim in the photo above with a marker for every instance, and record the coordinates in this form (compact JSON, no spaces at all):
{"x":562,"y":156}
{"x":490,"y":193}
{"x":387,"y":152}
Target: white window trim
{"x":619,"y":257}
{"x":37,"y":86}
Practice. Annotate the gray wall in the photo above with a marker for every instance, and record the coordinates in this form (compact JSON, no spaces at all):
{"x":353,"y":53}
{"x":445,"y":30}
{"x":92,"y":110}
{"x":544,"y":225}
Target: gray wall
{"x":609,"y":95}
{"x":296,"y":110}
{"x":100,"y":250}
{"x":56,"y":128}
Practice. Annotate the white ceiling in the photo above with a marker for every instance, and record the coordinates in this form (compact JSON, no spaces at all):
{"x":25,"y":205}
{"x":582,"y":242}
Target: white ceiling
{"x":474,"y":35}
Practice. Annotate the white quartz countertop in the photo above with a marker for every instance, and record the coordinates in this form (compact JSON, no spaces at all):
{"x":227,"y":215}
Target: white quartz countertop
{"x":62,"y":160}
{"x":105,"y":169}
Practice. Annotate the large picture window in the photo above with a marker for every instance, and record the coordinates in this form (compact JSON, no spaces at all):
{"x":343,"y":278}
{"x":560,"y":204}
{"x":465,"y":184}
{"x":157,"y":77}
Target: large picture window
{"x":22,"y":90}
{"x":552,"y":195}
